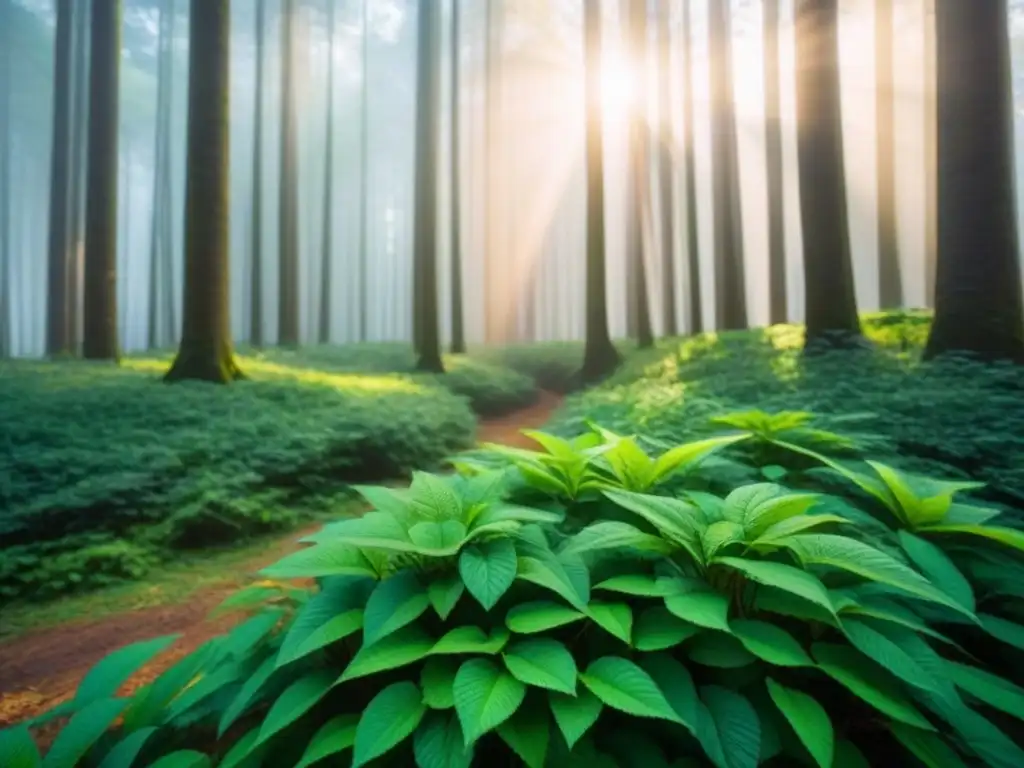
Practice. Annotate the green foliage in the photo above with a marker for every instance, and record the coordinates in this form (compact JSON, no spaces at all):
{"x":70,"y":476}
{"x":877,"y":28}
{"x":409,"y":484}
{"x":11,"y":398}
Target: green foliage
{"x":576,"y":604}
{"x":553,"y":365}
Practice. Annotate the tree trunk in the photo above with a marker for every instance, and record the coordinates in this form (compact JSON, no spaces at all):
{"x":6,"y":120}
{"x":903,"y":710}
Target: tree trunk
{"x":428,"y":93}
{"x":831,"y":306}
{"x":79,"y":138}
{"x":730,"y":284}
{"x":696,"y":308}
{"x":205,"y":353}
{"x":978,"y":305}
{"x":364,"y":176}
{"x":600,"y":357}
{"x":670,"y":323}
{"x":326,"y":246}
{"x":458,"y":327}
{"x":100,"y":340}
{"x":288,"y":246}
{"x":57,"y":326}
{"x":890,"y":277}
{"x":6,"y":59}
{"x":778,"y":299}
{"x":639,"y":166}
{"x":256,"y":276}
{"x":930,"y":146}
{"x":158,"y":252}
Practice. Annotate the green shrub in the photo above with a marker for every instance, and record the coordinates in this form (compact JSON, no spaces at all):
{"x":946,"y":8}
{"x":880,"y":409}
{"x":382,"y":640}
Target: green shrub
{"x":562,"y":605}
{"x":553,"y":365}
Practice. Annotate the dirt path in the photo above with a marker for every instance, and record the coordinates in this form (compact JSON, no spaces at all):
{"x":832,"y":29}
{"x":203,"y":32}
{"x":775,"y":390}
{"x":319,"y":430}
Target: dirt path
{"x":40,"y":669}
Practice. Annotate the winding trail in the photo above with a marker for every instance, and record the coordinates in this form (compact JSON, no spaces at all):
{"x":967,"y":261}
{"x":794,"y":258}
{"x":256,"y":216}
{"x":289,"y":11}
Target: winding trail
{"x":40,"y":669}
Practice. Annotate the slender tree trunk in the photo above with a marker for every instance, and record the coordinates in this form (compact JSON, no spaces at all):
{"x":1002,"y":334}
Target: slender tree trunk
{"x":327,"y":246}
{"x":364,"y":176}
{"x":425,"y":212}
{"x":930,"y":146}
{"x":288,"y":247}
{"x":161,"y":167}
{"x":890,"y":278}
{"x":600,"y":357}
{"x":639,"y":170}
{"x":205,"y":353}
{"x":730,"y":288}
{"x":978,"y":304}
{"x":6,"y":60}
{"x":57,"y":326}
{"x":831,"y":306}
{"x":696,"y":308}
{"x":458,"y":328}
{"x":493,"y":319}
{"x":670,"y":323}
{"x":100,"y":333}
{"x":778,"y":299}
{"x":79,"y":137}
{"x":256,"y":276}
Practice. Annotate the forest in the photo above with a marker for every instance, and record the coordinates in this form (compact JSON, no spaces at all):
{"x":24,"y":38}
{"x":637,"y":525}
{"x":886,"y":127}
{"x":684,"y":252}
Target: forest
{"x":453,"y":383}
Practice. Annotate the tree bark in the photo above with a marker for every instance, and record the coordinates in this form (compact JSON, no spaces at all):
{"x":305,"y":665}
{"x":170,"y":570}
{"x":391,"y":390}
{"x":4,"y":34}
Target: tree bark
{"x":639,"y":165}
{"x":778,"y":299}
{"x":256,"y":235}
{"x":831,"y":306}
{"x":288,"y":246}
{"x":159,"y":250}
{"x":670,"y":323}
{"x":6,"y":59}
{"x":364,"y":176}
{"x":696,"y":307}
{"x":890,"y":277}
{"x":458,"y":326}
{"x":57,"y":326}
{"x":79,"y":138}
{"x":930,"y":146}
{"x":205,"y":353}
{"x":978,"y":304}
{"x":100,"y":340}
{"x":326,"y":246}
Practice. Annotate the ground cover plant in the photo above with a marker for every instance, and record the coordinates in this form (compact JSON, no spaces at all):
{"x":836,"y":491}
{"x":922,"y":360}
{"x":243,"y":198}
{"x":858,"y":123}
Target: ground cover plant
{"x":595,"y":601}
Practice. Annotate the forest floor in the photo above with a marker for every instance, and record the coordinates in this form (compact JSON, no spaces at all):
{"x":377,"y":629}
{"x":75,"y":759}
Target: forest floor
{"x":42,"y":666}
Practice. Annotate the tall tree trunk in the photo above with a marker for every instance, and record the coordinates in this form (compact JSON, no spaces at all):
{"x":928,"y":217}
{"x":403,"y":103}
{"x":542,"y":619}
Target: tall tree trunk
{"x":778,"y":299}
{"x":158,"y":251}
{"x":364,"y":176}
{"x":100,"y":340}
{"x":696,"y":304}
{"x":327,"y":245}
{"x":205,"y":353}
{"x":930,"y":146}
{"x":57,"y":326}
{"x":890,"y":277}
{"x":730,"y":290}
{"x":288,"y":202}
{"x":458,"y":327}
{"x":256,"y":235}
{"x":670,"y":323}
{"x":428,"y":66}
{"x":79,"y":138}
{"x":600,"y":357}
{"x":6,"y":60}
{"x":639,"y":166}
{"x":493,"y":318}
{"x":978,"y":305}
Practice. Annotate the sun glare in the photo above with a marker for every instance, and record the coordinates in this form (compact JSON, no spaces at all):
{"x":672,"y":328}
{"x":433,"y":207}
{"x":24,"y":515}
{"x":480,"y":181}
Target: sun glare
{"x":617,"y":86}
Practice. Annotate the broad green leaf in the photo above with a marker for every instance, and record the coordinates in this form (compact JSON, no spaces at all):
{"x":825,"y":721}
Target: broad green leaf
{"x":18,"y":748}
{"x":204,"y":687}
{"x":244,"y":753}
{"x":436,"y":680}
{"x":566,"y":577}
{"x":84,"y":729}
{"x":994,"y":691}
{"x":394,"y":603}
{"x":485,"y":697}
{"x":1001,"y":629}
{"x":657,"y":629}
{"x":674,"y":680}
{"x":808,"y":719}
{"x":432,"y":497}
{"x":185,"y":758}
{"x":684,"y":456}
{"x":543,"y":480}
{"x":907,"y":507}
{"x":930,"y":749}
{"x":614,"y":618}
{"x":390,"y":717}
{"x":389,"y":500}
{"x":527,"y":732}
{"x":887,"y":654}
{"x":992,"y":746}
{"x":111,"y":672}
{"x":630,"y":465}
{"x":124,"y":752}
{"x":330,"y":558}
{"x":147,"y":706}
{"x":934,"y":564}
{"x":250,"y":597}
{"x":246,"y":694}
{"x":488,"y":570}
{"x":438,"y":538}
{"x":736,"y":724}
{"x":847,"y":667}
{"x":622,"y":685}
{"x":677,"y":520}
{"x":771,"y":643}
{"x":638,"y":584}
{"x":786,"y":528}
{"x":612,"y":534}
{"x":764,"y":505}
{"x":332,"y":614}
{"x":444,"y":593}
{"x":471,"y":639}
{"x":712,"y":649}
{"x":848,"y":756}
{"x":784,"y":577}
{"x":406,"y":646}
{"x":1007,"y":536}
{"x":294,"y":702}
{"x":554,"y":445}
{"x":542,"y":663}
{"x":439,"y":743}
{"x":575,"y":714}
{"x":332,"y":738}
{"x":719,"y":536}
{"x":705,"y":609}
{"x":540,"y":616}
{"x":243,"y":638}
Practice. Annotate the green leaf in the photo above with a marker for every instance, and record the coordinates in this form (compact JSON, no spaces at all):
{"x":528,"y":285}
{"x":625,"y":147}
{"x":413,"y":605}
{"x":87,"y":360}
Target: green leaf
{"x":614,"y":618}
{"x":1009,"y":537}
{"x":185,"y":758}
{"x":719,"y":536}
{"x":488,"y":570}
{"x":851,"y":670}
{"x":612,"y":534}
{"x":393,"y":604}
{"x":674,"y":680}
{"x":926,"y":746}
{"x":388,"y":500}
{"x":887,"y":654}
{"x":713,"y":649}
{"x":432,"y":497}
{"x":444,"y":593}
{"x":439,"y":743}
{"x":247,"y":635}
{"x":657,"y":629}
{"x":784,"y":577}
{"x":332,"y":738}
{"x":18,"y":748}
{"x":332,"y":614}
{"x":848,"y":756}
{"x":436,"y":680}
{"x":244,"y":752}
{"x":575,"y":714}
{"x":764,"y":505}
{"x":774,"y":645}
{"x":471,"y":639}
{"x":246,"y":693}
{"x":542,"y":663}
{"x":404,"y":647}
{"x":83,"y":730}
{"x":934,"y":564}
{"x":485,"y":697}
{"x":1001,"y":629}
{"x":248,"y":598}
{"x":705,"y":609}
{"x":994,"y":691}
{"x":540,"y":616}
{"x":808,"y":719}
{"x":624,"y":686}
{"x":688,"y":454}
{"x":330,"y":558}
{"x":390,"y":717}
{"x":677,"y":520}
{"x":786,"y":528}
{"x":123,"y":753}
{"x":294,"y":702}
{"x":565,"y":576}
{"x":736,"y":726}
{"x":438,"y":538}
{"x":111,"y":672}
{"x":637,"y":584}
{"x":527,"y":732}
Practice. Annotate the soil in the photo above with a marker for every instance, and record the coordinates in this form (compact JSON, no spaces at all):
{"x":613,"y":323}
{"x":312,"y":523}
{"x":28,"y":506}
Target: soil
{"x":41,"y":669}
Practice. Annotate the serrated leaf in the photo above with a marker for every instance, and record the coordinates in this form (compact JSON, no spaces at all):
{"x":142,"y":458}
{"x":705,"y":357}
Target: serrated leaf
{"x":332,"y":614}
{"x":488,"y":570}
{"x":737,"y":728}
{"x":112,"y":671}
{"x":612,"y":534}
{"x":432,"y":497}
{"x":785,"y":528}
{"x":393,"y":604}
{"x":675,"y":519}
{"x":18,"y":748}
{"x":688,"y":454}
{"x":675,"y":682}
{"x":542,"y":663}
{"x":566,"y":576}
{"x":540,"y":616}
{"x":439,"y":743}
{"x":329,"y":558}
{"x":713,"y":649}
{"x":84,"y":729}
{"x":527,"y":732}
{"x":808,"y":719}
{"x":624,"y":686}
{"x":575,"y":714}
{"x":294,"y":702}
{"x":390,"y":717}
{"x":783,"y":577}
{"x":406,"y":646}
{"x":936,"y":565}
{"x":887,"y":654}
{"x":471,"y":639}
{"x":438,"y":538}
{"x":657,"y":629}
{"x":485,"y":697}
{"x":637,"y":584}
{"x":771,"y":643}
{"x":444,"y":593}
{"x":705,"y":609}
{"x":614,"y":618}
{"x":332,"y":738}
{"x":436,"y":680}
{"x":122,"y":755}
{"x":719,"y":536}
